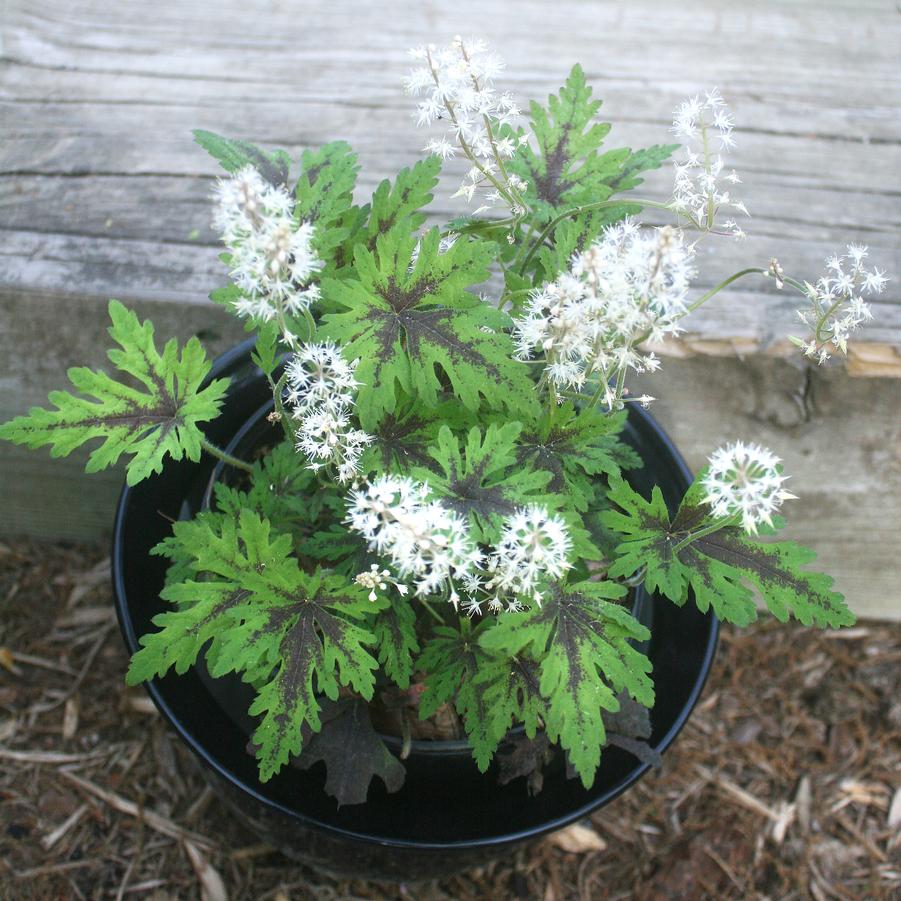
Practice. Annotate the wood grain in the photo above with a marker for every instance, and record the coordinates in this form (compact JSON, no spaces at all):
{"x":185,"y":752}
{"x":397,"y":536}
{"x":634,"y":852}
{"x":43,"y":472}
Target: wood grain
{"x":103,"y":194}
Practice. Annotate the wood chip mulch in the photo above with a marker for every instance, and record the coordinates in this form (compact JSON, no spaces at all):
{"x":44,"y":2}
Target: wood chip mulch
{"x":785,"y":784}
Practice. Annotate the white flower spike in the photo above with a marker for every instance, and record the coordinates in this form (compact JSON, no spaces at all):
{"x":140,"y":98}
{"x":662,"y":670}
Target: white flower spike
{"x":702,"y":186}
{"x":271,"y":255}
{"x":836,"y":307}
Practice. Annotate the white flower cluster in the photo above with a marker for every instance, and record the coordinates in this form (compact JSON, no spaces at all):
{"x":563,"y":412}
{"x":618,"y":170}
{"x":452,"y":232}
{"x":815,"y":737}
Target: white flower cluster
{"x":375,"y":578}
{"x":532,"y":547}
{"x":423,"y":539}
{"x":321,"y":391}
{"x":629,"y":287}
{"x":457,"y":85}
{"x":837,"y":307}
{"x":272,"y":256}
{"x":698,"y":190}
{"x":431,"y":545}
{"x":745,"y":479}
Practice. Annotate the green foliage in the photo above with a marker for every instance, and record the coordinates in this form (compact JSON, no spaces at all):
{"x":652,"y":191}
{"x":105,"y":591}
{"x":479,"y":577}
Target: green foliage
{"x":282,"y":490}
{"x":583,"y":643}
{"x":576,"y":448}
{"x":290,"y":633}
{"x":569,"y":169}
{"x":401,"y":202}
{"x":406,"y":319}
{"x":718,"y":567}
{"x":478,"y":480}
{"x":401,"y":439}
{"x":452,"y":660}
{"x":234,"y":155}
{"x":394,"y":628}
{"x":325,"y":188}
{"x":324,"y":196}
{"x":573,"y":235}
{"x":266,"y":351}
{"x":511,"y":695}
{"x":147,"y":423}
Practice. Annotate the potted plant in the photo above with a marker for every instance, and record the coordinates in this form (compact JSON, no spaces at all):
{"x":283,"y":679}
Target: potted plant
{"x":409,"y":567}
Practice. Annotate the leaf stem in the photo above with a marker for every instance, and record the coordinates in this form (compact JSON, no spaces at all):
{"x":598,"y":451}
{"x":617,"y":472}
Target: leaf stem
{"x":223,"y":456}
{"x":432,"y":611}
{"x":277,"y":389}
{"x":587,"y":208}
{"x":707,"y":530}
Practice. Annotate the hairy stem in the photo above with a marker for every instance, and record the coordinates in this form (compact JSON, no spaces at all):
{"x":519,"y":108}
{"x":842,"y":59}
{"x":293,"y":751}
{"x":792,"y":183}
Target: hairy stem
{"x":225,"y":457}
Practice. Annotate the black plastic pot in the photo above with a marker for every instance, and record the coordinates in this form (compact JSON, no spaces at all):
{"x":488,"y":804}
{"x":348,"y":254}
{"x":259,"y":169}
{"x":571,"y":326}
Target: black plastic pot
{"x":447,"y":816}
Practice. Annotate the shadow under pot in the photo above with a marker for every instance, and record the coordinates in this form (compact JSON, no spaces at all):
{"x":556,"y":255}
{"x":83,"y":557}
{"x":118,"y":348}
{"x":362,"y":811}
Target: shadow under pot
{"x":447,"y":815}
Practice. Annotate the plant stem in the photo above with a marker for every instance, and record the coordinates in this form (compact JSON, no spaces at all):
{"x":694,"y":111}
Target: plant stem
{"x":711,"y":212}
{"x":723,"y":284}
{"x":432,"y":611}
{"x":596,"y":397}
{"x":277,"y":389}
{"x":707,"y":530}
{"x":222,"y":455}
{"x":587,"y":208}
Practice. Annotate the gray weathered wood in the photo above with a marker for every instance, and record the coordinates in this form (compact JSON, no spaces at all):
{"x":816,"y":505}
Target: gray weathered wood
{"x":102,"y":193}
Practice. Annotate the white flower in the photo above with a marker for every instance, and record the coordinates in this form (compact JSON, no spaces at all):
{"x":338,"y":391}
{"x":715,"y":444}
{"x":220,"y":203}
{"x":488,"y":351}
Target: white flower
{"x":697,"y":192}
{"x":319,"y":374}
{"x":629,"y":287}
{"x":745,"y":479}
{"x":271,"y":255}
{"x":533,"y":546}
{"x":836,"y":306}
{"x":375,"y":578}
{"x":321,"y":387}
{"x":423,"y":540}
{"x":326,"y":436}
{"x":456,"y":86}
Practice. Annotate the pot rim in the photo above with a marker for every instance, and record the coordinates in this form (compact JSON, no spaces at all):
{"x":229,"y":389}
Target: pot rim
{"x":228,"y":361}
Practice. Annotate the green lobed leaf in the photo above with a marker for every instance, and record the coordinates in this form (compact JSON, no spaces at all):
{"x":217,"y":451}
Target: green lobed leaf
{"x":718,"y":568}
{"x":290,"y":633}
{"x":233,"y":155}
{"x":147,"y":423}
{"x":266,"y":353}
{"x":415,"y":329}
{"x":477,"y":478}
{"x":452,"y":660}
{"x":511,"y":695}
{"x":401,"y":440}
{"x":283,"y":490}
{"x":325,"y":187}
{"x":393,"y":204}
{"x":324,"y":196}
{"x":584,"y":645}
{"x":394,"y":628}
{"x":576,"y":448}
{"x":569,"y":169}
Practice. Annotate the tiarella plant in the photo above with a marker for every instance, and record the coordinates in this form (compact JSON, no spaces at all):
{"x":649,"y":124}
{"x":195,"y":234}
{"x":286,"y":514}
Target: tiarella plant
{"x":442,"y":527}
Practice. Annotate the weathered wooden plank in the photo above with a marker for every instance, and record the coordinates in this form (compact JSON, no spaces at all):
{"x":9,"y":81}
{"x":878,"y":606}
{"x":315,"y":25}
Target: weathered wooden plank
{"x":103,"y":194}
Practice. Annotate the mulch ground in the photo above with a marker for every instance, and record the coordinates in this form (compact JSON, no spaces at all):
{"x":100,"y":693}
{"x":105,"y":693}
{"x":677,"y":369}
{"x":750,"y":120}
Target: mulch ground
{"x":785,"y":784}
